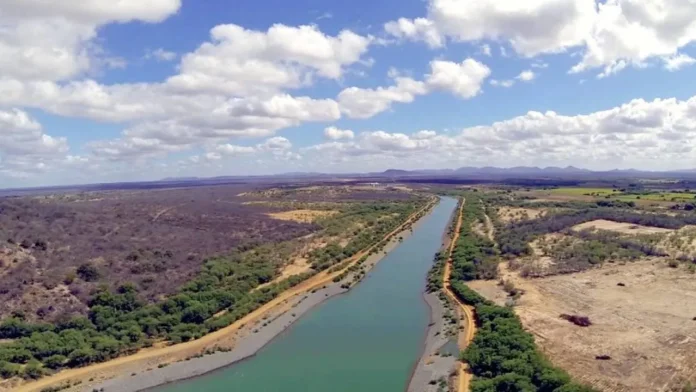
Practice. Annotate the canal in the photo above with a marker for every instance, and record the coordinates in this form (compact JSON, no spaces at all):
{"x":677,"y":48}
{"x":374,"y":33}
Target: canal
{"x":367,"y":340}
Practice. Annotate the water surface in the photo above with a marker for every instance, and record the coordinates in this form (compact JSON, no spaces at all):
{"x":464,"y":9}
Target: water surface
{"x":365,"y":341}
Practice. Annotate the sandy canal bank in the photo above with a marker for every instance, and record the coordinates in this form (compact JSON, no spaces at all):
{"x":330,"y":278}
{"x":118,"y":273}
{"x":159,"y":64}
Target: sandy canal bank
{"x":160,"y":365}
{"x":433,"y":365}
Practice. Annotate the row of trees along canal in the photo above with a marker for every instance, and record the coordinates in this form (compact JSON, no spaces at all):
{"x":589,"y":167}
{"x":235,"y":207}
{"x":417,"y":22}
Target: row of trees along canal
{"x":120,"y":323}
{"x":502,"y":356}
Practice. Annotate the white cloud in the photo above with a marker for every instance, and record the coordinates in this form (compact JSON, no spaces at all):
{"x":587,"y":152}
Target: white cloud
{"x":49,"y":40}
{"x":419,"y":29}
{"x":461,"y":79}
{"x":486,"y":50}
{"x":334,"y":133}
{"x":653,"y":135}
{"x":526,"y":76}
{"x":502,"y":83}
{"x":365,"y":103}
{"x":565,"y":23}
{"x":424,"y":134}
{"x":611,"y":34}
{"x":25,"y":148}
{"x":161,"y":55}
{"x":677,"y":62}
{"x":231,"y":149}
{"x":240,"y":62}
{"x":630,"y":32}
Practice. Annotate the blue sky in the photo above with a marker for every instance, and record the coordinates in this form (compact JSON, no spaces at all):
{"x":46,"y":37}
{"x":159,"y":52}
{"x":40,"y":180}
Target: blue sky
{"x":130,"y":91}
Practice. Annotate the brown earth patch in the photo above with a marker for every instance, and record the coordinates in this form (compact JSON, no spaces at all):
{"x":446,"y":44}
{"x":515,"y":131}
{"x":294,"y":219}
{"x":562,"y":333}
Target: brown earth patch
{"x":620,"y":227}
{"x":513,"y":214}
{"x":642,"y":317}
{"x":302,"y":216}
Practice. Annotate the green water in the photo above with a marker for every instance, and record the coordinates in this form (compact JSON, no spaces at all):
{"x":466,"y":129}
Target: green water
{"x":365,"y":341}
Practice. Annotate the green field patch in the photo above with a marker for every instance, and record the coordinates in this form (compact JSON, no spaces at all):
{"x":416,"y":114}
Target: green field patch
{"x":658,"y":196}
{"x":580,"y":191}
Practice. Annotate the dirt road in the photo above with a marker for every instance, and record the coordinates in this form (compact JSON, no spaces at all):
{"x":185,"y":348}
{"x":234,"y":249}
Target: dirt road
{"x":467,"y":324}
{"x":179,"y":351}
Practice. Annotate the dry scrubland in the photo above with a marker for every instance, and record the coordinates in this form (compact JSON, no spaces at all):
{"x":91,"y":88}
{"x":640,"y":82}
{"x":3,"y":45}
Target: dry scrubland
{"x":629,"y":268}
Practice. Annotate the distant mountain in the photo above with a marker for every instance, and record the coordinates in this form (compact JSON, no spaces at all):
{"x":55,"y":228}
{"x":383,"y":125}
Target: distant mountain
{"x":517,"y":170}
{"x":472,"y":172}
{"x":176,"y":179}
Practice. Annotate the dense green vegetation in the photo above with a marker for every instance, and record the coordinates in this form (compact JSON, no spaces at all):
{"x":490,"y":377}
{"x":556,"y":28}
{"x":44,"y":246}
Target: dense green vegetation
{"x":224,"y":291}
{"x":436,"y":273}
{"x":474,"y":256}
{"x":378,"y":218}
{"x":503,"y":356}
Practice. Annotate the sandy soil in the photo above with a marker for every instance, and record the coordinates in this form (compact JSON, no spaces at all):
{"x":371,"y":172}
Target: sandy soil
{"x":149,"y":359}
{"x":467,"y":326}
{"x":620,"y":227}
{"x":681,"y":242}
{"x":302,"y":216}
{"x":513,"y":214}
{"x":645,"y":326}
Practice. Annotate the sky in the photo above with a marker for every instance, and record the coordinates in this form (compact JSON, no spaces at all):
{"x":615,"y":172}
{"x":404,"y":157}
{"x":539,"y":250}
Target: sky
{"x":130,"y":90}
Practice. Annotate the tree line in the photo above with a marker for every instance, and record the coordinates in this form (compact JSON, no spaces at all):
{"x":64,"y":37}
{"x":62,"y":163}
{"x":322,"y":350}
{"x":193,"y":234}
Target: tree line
{"x":503,"y":356}
{"x":515,"y":237}
{"x":474,"y":256}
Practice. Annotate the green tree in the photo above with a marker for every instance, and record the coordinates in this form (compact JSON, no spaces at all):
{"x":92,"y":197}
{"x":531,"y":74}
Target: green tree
{"x":55,"y":361}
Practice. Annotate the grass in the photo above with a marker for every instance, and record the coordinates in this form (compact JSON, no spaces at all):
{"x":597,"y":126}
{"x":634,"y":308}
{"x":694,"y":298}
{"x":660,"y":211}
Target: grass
{"x":580,"y":191}
{"x":618,"y":195}
{"x":659,"y":196}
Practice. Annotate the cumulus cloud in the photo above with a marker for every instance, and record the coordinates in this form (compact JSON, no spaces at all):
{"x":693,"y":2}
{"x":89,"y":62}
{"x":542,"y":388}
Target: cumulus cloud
{"x":365,"y":103}
{"x":424,"y":134}
{"x":334,"y":133}
{"x":502,"y":83}
{"x":526,"y":76}
{"x":678,"y":61}
{"x":419,"y":29}
{"x":566,"y":22}
{"x":461,"y":79}
{"x":49,"y":40}
{"x":611,"y":34}
{"x":161,"y":55}
{"x":25,"y":147}
{"x":659,"y":134}
{"x":239,"y":61}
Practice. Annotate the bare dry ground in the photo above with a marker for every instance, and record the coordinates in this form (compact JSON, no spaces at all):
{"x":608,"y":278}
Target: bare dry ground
{"x":514,"y":214}
{"x":302,"y":216}
{"x":620,"y":227}
{"x":646,"y":325}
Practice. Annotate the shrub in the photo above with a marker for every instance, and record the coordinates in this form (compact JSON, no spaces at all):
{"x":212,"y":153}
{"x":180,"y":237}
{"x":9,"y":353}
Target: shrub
{"x":581,"y":321}
{"x":88,"y":272}
{"x":55,"y":361}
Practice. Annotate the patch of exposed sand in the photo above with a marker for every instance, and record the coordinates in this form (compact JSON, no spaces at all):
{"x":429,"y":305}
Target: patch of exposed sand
{"x":646,"y":325}
{"x":513,"y":214}
{"x":302,"y":216}
{"x":620,"y":227}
